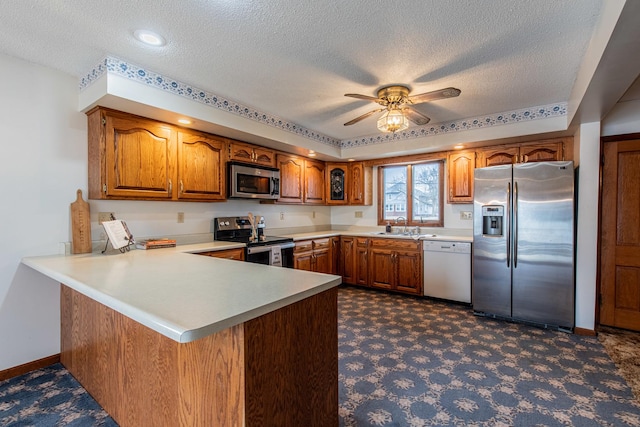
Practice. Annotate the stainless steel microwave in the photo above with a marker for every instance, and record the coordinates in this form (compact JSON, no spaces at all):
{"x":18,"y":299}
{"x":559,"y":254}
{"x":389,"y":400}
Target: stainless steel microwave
{"x":247,"y":181}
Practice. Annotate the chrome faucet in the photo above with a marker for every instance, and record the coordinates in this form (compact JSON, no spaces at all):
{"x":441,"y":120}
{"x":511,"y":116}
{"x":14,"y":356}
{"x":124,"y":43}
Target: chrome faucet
{"x":404,"y":220}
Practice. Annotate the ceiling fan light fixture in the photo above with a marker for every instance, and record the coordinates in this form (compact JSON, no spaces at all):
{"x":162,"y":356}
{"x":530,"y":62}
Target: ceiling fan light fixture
{"x":393,"y":120}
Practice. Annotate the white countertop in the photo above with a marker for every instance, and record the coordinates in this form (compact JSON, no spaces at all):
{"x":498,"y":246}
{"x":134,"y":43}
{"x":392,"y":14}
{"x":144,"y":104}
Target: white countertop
{"x":332,"y":233}
{"x":181,"y":295}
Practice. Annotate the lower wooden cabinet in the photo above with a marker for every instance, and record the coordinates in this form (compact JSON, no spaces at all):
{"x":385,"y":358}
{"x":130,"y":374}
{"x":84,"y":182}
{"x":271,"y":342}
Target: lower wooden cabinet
{"x":335,"y":255}
{"x":396,"y":264}
{"x":347,"y":267}
{"x":390,"y":264}
{"x":362,"y":261}
{"x":235,"y":254}
{"x":313,"y":255}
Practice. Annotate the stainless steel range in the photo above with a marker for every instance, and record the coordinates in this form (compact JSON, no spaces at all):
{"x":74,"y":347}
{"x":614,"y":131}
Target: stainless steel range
{"x":261,"y":249}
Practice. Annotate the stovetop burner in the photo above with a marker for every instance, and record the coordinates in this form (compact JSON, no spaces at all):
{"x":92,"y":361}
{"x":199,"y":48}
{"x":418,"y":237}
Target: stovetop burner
{"x":238,"y":229}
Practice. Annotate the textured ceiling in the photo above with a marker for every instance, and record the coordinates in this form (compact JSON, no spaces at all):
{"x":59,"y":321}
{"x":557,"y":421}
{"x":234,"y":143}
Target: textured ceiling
{"x":297,"y":59}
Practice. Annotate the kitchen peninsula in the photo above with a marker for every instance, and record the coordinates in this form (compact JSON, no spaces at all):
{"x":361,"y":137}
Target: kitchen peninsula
{"x":166,"y":337}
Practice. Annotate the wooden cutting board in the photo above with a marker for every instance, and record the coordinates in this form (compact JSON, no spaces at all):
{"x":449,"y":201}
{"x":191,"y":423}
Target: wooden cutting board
{"x":80,"y":226}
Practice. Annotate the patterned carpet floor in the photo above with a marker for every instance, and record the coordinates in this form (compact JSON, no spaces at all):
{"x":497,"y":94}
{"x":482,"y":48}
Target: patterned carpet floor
{"x":412,"y":362}
{"x":624,"y":349}
{"x":415,"y":362}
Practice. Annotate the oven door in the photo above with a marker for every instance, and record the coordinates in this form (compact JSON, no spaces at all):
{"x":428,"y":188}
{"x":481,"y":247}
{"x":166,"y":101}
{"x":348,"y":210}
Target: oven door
{"x":266,"y":255}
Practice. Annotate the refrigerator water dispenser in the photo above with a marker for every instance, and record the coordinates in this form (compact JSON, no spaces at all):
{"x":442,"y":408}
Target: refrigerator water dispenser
{"x":492,"y":220}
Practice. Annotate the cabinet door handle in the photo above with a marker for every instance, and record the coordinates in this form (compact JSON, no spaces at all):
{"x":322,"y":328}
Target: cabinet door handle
{"x":181,"y":187}
{"x":170,"y":186}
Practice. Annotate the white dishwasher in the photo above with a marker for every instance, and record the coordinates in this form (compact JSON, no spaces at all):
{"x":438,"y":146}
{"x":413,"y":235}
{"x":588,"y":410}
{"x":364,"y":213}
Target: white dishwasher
{"x":447,"y":270}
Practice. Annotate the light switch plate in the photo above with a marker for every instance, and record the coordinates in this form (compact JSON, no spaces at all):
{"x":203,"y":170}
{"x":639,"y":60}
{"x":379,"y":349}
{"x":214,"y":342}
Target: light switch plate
{"x":358,"y":214}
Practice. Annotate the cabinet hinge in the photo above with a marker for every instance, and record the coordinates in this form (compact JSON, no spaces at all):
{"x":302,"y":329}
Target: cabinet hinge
{"x":104,"y":121}
{"x":602,"y":159}
{"x":104,"y":188}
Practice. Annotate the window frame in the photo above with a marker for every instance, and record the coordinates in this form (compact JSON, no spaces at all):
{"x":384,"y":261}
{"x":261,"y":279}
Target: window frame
{"x":409,"y":200}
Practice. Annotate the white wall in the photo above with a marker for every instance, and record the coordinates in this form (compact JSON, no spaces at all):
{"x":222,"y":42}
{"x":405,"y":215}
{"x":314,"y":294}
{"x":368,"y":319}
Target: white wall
{"x":623,"y":118}
{"x":44,"y":154}
{"x":587,"y":140}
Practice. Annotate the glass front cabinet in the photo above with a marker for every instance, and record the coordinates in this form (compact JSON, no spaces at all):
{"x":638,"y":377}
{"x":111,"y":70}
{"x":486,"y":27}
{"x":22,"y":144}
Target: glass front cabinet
{"x":336,"y":182}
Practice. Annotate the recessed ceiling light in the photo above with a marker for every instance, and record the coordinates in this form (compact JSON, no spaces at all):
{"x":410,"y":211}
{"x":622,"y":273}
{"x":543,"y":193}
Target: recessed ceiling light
{"x":150,"y":38}
{"x":312,"y":154}
{"x":185,"y":121}
{"x":351,"y":160}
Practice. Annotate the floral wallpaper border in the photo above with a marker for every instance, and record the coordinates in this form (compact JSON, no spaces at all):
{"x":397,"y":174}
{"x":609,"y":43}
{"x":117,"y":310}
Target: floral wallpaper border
{"x":150,"y":78}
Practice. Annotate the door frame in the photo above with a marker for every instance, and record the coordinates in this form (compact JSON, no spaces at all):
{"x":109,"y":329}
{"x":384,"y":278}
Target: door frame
{"x":604,"y":140}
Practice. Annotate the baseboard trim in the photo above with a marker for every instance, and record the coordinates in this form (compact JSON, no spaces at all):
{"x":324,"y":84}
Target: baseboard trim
{"x":28,"y":367}
{"x":583,"y":331}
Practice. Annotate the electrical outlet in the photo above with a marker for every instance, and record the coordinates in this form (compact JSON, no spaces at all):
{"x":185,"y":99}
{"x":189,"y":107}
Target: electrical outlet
{"x":466,"y":215}
{"x":358,"y":214}
{"x":180,"y":217}
{"x":313,"y":214}
{"x":281,"y":216}
{"x":104,"y":216}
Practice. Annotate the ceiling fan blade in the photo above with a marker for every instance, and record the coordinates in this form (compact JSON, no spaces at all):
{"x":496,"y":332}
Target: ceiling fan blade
{"x":365,"y":97}
{"x":415,"y":116}
{"x":449,"y":92}
{"x":364,"y":116}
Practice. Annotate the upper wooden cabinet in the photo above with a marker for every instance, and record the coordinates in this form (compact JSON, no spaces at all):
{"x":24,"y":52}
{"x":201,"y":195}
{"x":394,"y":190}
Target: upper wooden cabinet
{"x":131,"y":157}
{"x":314,"y":182}
{"x":360,"y":184}
{"x":498,"y":156}
{"x":200,"y":167}
{"x":460,"y":166}
{"x":348,"y":184}
{"x":242,"y":152}
{"x":291,"y":178}
{"x":336,"y":182}
{"x":301,"y":180}
{"x":539,"y":151}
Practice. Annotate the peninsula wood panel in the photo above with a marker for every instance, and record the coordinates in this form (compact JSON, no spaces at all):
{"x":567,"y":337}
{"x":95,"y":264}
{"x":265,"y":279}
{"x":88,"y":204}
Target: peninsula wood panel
{"x":142,"y":378}
{"x":294,"y":388}
{"x":280,"y":369}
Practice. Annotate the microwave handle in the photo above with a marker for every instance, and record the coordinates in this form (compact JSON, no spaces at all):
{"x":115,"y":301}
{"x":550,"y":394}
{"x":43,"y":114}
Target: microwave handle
{"x":276,"y":186}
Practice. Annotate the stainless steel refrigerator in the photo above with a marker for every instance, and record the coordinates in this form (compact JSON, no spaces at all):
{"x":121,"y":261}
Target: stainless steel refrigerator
{"x":523,"y":243}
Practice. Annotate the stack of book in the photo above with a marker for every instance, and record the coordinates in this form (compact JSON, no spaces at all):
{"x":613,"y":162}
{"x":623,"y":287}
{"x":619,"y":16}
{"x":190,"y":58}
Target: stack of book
{"x":156,"y":243}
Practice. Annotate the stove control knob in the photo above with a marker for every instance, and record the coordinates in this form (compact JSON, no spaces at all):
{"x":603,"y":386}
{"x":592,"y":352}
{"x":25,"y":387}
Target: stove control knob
{"x":226,"y":223}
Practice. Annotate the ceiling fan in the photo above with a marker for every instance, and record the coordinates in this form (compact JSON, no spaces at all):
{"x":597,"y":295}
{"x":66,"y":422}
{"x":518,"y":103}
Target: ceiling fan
{"x":397,"y":106}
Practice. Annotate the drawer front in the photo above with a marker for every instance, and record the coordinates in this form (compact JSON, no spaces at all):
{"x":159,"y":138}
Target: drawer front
{"x":303,"y":246}
{"x":362,"y":241}
{"x":397,"y":244}
{"x":321,"y":243}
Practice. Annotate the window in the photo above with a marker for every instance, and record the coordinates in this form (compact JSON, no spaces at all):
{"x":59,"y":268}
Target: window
{"x":412,"y":192}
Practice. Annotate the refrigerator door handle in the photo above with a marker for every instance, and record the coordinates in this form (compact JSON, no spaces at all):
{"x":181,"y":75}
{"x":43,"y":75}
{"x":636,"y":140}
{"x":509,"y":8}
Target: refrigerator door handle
{"x":508,"y":228}
{"x":515,"y":224}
